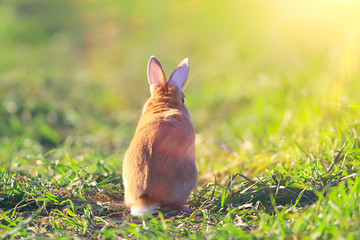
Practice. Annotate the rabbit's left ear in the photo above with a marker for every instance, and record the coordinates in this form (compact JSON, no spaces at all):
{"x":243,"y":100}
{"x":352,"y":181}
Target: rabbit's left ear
{"x":156,"y":75}
{"x":180,"y":74}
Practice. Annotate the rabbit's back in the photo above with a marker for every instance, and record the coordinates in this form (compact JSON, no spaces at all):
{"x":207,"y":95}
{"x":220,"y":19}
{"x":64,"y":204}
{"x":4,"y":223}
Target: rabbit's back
{"x":160,"y":162}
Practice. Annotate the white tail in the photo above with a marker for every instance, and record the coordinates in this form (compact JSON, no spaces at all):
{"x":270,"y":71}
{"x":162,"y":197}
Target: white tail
{"x":141,"y":210}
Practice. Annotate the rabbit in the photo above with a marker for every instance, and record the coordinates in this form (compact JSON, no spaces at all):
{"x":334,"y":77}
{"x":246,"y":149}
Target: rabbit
{"x":159,"y":169}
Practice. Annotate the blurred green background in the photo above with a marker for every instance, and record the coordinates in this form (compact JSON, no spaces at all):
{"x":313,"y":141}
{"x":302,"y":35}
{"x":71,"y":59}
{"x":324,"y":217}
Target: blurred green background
{"x":265,"y":76}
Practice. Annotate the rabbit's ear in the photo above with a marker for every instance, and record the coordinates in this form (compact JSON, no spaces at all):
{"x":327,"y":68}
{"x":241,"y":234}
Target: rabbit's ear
{"x":180,"y":74}
{"x":155,"y":73}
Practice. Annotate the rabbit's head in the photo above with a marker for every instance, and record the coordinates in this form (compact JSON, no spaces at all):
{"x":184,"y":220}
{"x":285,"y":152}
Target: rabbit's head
{"x":165,"y":92}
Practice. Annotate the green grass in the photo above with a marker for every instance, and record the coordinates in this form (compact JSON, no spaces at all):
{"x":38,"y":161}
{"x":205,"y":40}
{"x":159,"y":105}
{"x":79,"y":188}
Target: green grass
{"x":273,"y":94}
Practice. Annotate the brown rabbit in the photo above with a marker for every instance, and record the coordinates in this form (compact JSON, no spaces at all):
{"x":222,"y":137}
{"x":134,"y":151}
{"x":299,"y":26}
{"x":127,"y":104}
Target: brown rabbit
{"x":159,"y":166}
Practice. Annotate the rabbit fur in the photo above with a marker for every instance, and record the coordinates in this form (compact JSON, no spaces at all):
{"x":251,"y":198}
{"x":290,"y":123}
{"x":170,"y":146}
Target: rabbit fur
{"x":159,"y":166}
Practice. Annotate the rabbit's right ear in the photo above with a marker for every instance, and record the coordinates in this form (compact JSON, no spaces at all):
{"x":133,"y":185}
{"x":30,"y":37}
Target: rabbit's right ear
{"x":180,"y":74}
{"x":155,"y":73}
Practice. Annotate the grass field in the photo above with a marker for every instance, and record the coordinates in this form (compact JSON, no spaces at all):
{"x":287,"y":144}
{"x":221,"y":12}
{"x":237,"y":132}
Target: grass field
{"x":273,"y":95}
